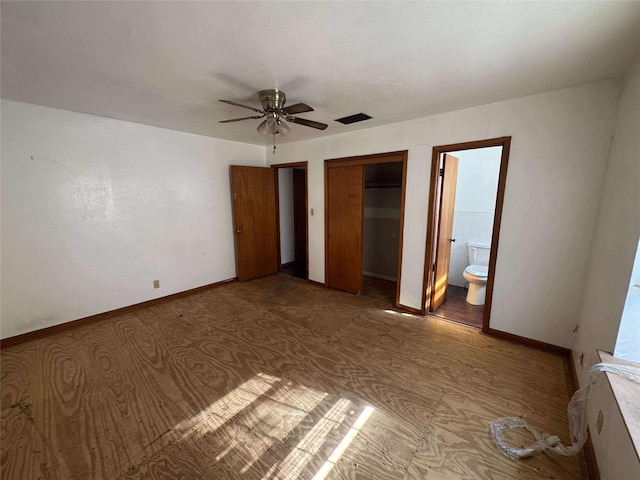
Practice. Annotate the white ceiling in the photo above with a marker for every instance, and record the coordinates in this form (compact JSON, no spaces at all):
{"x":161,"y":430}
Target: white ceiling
{"x":167,"y":63}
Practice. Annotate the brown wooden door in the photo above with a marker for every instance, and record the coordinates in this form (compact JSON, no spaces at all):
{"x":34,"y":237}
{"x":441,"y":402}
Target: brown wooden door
{"x":253,"y":192}
{"x":445,"y":230}
{"x":345,"y":211}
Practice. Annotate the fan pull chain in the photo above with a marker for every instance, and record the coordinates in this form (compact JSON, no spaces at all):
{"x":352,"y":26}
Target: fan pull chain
{"x":274,"y":144}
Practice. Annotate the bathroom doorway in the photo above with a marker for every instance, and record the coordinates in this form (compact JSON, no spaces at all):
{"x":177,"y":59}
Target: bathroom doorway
{"x":465,"y":209}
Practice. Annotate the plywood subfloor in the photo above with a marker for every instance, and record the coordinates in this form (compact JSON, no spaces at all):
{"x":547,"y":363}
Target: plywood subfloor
{"x":274,"y":378}
{"x":383,"y":292}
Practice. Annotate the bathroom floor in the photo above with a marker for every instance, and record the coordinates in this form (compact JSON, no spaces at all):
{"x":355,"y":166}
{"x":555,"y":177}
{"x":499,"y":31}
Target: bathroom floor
{"x":456,"y":308}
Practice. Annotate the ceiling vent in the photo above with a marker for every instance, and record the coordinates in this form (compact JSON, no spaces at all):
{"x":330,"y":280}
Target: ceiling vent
{"x":358,"y":117}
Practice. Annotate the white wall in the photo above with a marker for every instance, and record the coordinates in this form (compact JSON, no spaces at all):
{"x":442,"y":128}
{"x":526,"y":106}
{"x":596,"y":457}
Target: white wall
{"x":615,"y":452}
{"x":95,"y":209}
{"x":558,"y":155}
{"x":610,"y":264}
{"x":285,"y":205}
{"x":477,"y":184}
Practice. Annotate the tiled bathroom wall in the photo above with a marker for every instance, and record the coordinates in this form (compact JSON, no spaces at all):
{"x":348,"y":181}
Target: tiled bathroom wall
{"x":472,"y":227}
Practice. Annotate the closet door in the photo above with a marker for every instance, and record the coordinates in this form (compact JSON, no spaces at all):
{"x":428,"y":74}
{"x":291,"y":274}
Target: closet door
{"x":253,"y":190}
{"x":345,"y":212}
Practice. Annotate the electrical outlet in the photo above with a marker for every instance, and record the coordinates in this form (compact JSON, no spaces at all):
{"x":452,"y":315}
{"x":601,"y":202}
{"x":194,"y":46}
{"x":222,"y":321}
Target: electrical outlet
{"x":312,"y":212}
{"x":599,"y":421}
{"x":156,"y":284}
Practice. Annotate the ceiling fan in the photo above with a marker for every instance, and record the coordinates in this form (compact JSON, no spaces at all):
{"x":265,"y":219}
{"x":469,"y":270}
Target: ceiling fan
{"x":277,"y":114}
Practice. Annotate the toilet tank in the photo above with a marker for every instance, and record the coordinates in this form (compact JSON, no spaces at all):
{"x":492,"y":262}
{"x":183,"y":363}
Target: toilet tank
{"x":479,"y":253}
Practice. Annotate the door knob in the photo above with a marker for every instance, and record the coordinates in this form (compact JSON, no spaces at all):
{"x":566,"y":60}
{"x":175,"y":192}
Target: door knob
{"x":239,"y":232}
{"x":452,"y":239}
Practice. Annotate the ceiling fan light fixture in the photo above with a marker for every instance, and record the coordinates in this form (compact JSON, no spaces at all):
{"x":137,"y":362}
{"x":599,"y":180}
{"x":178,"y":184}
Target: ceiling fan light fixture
{"x":262,"y":128}
{"x":272,"y":126}
{"x":268,"y":127}
{"x":273,"y":104}
{"x":283,"y":128}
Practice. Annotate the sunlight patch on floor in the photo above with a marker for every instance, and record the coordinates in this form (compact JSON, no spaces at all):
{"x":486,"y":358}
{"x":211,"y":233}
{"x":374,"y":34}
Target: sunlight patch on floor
{"x":304,"y":451}
{"x":344,"y":444}
{"x":264,"y":410}
{"x":222,"y":410}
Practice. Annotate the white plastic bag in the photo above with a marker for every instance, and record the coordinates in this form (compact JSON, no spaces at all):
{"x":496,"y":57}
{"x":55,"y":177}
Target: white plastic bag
{"x":577,"y":412}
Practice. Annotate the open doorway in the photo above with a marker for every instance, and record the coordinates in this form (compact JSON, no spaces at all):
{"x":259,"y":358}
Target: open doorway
{"x":292,"y":219}
{"x":465,"y":209}
{"x":381,"y":230}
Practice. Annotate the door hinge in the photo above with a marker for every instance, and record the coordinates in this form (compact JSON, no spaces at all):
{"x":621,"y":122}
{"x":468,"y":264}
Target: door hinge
{"x":434,"y":267}
{"x":442,"y":172}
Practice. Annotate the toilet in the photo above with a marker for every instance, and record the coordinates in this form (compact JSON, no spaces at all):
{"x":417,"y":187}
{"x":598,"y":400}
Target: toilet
{"x":477,"y":272}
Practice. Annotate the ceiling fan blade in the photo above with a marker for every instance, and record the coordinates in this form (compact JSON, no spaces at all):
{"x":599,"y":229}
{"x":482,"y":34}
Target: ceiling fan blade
{"x":240,"y":105}
{"x":307,"y":123}
{"x":297,"y":108}
{"x":238,"y":119}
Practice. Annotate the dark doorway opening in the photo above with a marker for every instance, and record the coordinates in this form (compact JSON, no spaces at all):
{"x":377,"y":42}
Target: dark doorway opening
{"x":292,"y":219}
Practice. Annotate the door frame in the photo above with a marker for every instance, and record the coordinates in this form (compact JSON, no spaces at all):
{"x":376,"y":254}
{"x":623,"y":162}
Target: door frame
{"x":388,"y":157}
{"x":277,"y":166}
{"x":427,"y":286}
